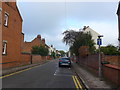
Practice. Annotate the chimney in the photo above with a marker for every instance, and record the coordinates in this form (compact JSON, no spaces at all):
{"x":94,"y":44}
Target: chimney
{"x":84,"y":27}
{"x":87,"y":26}
{"x":39,"y":37}
{"x":22,"y":37}
{"x":43,"y":40}
{"x":51,"y":45}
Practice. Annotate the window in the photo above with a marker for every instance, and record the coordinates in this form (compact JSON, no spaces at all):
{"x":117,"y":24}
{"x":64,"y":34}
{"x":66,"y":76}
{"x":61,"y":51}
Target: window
{"x":4,"y":47}
{"x":0,"y":16}
{"x":6,"y":19}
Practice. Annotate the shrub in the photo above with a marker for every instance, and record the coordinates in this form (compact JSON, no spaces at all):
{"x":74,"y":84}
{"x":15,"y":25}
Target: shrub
{"x":40,"y":50}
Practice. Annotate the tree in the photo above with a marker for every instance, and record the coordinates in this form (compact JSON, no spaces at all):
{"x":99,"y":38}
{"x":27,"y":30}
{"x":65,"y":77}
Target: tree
{"x":62,"y":53}
{"x":53,"y":55}
{"x":110,"y":50}
{"x":40,"y":50}
{"x":76,"y":39}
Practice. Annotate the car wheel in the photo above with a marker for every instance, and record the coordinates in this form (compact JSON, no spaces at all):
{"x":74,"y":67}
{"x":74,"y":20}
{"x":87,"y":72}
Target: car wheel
{"x":59,"y":65}
{"x":70,"y":66}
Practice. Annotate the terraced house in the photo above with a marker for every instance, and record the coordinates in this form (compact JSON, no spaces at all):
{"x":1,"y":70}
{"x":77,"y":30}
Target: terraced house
{"x":11,"y":34}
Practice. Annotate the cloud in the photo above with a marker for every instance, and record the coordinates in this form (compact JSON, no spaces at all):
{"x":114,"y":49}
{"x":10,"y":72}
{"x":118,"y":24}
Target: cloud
{"x":51,"y":19}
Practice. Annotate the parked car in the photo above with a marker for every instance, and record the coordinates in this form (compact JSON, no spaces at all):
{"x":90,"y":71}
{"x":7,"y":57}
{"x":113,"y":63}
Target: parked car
{"x":64,"y":62}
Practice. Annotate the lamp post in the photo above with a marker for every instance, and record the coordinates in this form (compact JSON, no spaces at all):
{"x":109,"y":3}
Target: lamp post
{"x":99,"y":42}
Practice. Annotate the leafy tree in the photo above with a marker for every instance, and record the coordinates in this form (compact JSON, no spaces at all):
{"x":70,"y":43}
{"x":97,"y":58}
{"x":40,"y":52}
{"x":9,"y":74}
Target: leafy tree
{"x":110,"y":50}
{"x":76,"y":39}
{"x":62,"y":53}
{"x":53,"y":55}
{"x":40,"y":50}
{"x":35,"y":50}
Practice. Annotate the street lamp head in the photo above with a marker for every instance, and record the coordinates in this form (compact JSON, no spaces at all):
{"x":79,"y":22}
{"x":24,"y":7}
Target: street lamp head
{"x":100,"y":36}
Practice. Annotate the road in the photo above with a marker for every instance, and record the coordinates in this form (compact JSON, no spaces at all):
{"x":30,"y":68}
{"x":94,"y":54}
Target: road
{"x":48,"y":75}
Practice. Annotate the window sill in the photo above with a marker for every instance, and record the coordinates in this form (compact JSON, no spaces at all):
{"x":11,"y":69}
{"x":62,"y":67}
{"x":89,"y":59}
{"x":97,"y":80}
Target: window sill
{"x":6,"y":26}
{"x":4,"y":54}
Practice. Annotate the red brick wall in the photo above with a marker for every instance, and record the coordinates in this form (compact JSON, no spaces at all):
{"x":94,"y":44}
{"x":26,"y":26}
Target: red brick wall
{"x":83,"y":50}
{"x":90,"y":61}
{"x":113,"y":60}
{"x":112,"y":73}
{"x":12,"y":34}
{"x":25,"y":59}
{"x":10,"y":64}
{"x":27,"y":46}
{"x":38,"y":58}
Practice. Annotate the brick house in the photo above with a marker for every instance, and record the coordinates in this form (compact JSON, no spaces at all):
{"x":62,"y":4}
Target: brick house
{"x":11,"y":34}
{"x":118,"y":13}
{"x":27,"y":46}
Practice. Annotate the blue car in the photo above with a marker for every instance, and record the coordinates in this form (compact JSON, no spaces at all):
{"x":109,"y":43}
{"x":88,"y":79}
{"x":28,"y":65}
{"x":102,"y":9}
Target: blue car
{"x":64,"y":62}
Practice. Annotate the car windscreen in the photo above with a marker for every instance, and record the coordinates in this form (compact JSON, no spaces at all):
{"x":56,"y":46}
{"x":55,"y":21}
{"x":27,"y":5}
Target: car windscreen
{"x":64,"y":59}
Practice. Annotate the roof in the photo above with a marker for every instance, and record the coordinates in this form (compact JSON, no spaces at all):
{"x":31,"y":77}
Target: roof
{"x":118,"y":10}
{"x":19,"y":13}
{"x":89,"y":29}
{"x":47,"y":45}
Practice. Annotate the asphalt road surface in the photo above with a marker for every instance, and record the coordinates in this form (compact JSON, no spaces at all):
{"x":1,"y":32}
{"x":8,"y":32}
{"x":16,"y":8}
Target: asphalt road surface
{"x":48,"y":75}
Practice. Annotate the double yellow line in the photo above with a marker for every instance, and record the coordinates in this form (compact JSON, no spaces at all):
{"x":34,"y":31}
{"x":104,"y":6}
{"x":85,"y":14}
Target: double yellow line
{"x":18,"y":72}
{"x":77,"y":83}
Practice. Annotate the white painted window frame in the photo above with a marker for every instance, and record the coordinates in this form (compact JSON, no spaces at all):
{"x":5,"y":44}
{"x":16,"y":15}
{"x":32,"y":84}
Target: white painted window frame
{"x":0,"y":15}
{"x":4,"y":47}
{"x":0,"y":9}
{"x":6,"y":17}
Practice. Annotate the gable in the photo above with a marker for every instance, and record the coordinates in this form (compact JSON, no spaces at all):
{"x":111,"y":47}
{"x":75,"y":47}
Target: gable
{"x":13,"y":6}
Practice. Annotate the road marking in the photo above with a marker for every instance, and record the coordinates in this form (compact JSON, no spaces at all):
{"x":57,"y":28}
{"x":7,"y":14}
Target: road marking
{"x":15,"y":73}
{"x":77,"y":83}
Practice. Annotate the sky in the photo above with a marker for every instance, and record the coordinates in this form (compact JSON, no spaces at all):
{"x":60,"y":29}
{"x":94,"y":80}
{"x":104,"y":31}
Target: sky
{"x":51,"y":19}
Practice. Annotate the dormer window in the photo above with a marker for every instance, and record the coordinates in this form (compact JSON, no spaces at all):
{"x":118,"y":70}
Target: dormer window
{"x":6,"y":19}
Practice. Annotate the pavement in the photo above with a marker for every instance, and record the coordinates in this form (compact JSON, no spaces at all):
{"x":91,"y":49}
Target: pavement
{"x":90,"y":80}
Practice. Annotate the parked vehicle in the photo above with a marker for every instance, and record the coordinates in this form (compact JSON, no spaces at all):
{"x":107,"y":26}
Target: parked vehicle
{"x":64,"y":62}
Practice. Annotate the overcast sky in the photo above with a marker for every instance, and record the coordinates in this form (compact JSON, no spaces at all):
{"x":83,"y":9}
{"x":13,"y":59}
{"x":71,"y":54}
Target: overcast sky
{"x":51,"y":19}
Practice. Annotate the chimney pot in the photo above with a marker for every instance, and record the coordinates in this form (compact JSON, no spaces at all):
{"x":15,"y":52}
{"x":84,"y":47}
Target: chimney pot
{"x":39,"y":36}
{"x":43,"y":40}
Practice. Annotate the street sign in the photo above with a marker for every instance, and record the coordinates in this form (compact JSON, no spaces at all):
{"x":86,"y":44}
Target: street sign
{"x":99,"y":41}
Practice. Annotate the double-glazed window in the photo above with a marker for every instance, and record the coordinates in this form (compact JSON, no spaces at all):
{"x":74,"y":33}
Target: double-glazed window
{"x":4,"y":47}
{"x":6,"y":19}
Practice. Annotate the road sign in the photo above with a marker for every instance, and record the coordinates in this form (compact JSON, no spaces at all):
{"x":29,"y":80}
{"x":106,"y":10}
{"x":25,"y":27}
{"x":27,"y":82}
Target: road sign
{"x":99,"y":41}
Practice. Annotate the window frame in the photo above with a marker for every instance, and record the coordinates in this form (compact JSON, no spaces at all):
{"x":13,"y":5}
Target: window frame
{"x":4,"y":49}
{"x":0,"y":16}
{"x":0,"y":9}
{"x":6,"y":19}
